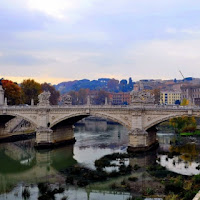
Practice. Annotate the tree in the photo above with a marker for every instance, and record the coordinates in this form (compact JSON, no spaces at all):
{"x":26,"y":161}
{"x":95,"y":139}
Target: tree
{"x":123,"y":85}
{"x":183,"y":124}
{"x":74,"y":96}
{"x":82,"y":96}
{"x":12,"y":92}
{"x":54,"y":93}
{"x":30,"y":90}
{"x":184,"y":102}
{"x":156,"y":93}
{"x":177,"y":123}
{"x":100,"y":99}
{"x":177,"y":102}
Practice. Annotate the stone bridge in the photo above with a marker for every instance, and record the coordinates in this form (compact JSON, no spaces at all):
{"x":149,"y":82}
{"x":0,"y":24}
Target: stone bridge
{"x":140,"y":118}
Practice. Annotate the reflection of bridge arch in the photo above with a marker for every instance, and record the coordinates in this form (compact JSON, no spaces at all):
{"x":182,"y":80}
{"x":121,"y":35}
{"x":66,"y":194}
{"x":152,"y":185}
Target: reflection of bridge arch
{"x":73,"y":118}
{"x":45,"y":164}
{"x":12,"y":163}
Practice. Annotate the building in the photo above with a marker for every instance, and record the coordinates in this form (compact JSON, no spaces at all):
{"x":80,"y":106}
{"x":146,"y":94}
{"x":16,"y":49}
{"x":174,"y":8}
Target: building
{"x":121,"y":98}
{"x":191,"y":93}
{"x":170,"y":97}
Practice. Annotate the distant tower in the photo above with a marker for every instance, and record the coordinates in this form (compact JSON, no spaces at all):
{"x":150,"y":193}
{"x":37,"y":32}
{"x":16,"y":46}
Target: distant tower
{"x":1,"y":94}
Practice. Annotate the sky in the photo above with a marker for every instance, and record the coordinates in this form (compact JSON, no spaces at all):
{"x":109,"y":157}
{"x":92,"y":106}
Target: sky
{"x":61,"y":40}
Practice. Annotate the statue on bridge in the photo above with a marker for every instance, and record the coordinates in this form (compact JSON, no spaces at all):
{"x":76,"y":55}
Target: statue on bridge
{"x":142,"y":97}
{"x":67,"y":100}
{"x":44,"y":98}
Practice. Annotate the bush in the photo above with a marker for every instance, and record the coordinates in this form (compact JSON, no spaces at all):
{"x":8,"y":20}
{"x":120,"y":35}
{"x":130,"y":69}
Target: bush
{"x":101,"y":163}
{"x":82,"y":183}
{"x":43,"y":187}
{"x":113,"y":186}
{"x":114,"y":173}
{"x":134,"y":179}
{"x":26,"y":193}
{"x":189,"y":195}
{"x":175,"y":188}
{"x":150,"y":191}
{"x":64,"y":198}
{"x":70,"y":180}
{"x":123,"y":182}
{"x":196,"y":179}
{"x":198,"y":167}
{"x":125,"y":170}
{"x":136,"y":167}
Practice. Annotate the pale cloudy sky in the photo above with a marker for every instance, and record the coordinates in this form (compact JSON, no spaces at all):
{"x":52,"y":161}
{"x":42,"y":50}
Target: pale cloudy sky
{"x":57,"y":40}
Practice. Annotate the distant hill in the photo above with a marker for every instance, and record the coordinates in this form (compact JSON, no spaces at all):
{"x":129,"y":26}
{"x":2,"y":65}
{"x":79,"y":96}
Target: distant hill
{"x":65,"y":87}
{"x":107,"y":84}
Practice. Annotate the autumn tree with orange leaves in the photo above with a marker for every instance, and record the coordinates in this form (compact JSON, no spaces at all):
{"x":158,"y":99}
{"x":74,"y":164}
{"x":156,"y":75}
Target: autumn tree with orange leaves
{"x":12,"y":92}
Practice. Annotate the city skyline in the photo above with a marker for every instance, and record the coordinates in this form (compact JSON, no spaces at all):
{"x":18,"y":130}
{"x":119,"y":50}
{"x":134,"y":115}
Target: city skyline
{"x":55,"y":41}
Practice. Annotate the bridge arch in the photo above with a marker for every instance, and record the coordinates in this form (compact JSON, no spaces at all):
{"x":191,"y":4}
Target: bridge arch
{"x":13,"y":115}
{"x":166,"y":118}
{"x":73,"y":118}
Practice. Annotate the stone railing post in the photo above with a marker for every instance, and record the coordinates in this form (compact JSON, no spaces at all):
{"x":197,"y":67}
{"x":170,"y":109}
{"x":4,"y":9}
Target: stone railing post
{"x":5,"y":101}
{"x":88,"y":100}
{"x":32,"y":102}
{"x":106,"y":101}
{"x":1,"y":95}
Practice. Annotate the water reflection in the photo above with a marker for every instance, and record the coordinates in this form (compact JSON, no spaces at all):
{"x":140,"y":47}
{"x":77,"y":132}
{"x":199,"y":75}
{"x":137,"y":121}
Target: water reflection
{"x":177,"y":165}
{"x":183,"y":157}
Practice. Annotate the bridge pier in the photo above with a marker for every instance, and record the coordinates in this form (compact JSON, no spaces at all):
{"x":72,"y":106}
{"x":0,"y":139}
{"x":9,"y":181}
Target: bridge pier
{"x":141,"y":140}
{"x":3,"y":133}
{"x":46,"y":137}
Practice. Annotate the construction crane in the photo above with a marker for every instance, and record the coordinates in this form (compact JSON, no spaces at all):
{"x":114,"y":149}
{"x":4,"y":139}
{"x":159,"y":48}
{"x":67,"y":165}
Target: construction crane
{"x":181,"y":74}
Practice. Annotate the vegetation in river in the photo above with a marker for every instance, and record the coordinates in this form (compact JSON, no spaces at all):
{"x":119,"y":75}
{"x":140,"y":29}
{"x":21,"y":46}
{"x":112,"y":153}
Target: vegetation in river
{"x":177,"y":187}
{"x":47,"y":193}
{"x":26,"y":193}
{"x":82,"y":176}
{"x":105,"y":161}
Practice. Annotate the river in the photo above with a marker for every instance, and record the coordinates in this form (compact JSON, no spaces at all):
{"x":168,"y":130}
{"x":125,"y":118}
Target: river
{"x":21,"y":166}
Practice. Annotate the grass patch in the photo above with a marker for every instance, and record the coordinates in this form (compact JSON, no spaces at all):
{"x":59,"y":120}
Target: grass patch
{"x":196,"y":133}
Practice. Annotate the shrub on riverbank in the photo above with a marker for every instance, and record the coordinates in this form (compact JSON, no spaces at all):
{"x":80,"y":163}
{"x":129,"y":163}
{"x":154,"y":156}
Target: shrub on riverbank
{"x":83,"y":176}
{"x":133,"y":179}
{"x":176,"y":186}
{"x":47,"y":193}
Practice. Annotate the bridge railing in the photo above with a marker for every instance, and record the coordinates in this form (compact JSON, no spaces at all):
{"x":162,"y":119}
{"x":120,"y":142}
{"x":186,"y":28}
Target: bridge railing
{"x":154,"y":107}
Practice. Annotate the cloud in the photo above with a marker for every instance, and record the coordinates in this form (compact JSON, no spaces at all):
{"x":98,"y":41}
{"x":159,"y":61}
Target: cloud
{"x":163,"y":58}
{"x":79,"y":39}
{"x":61,"y":9}
{"x":190,"y":32}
